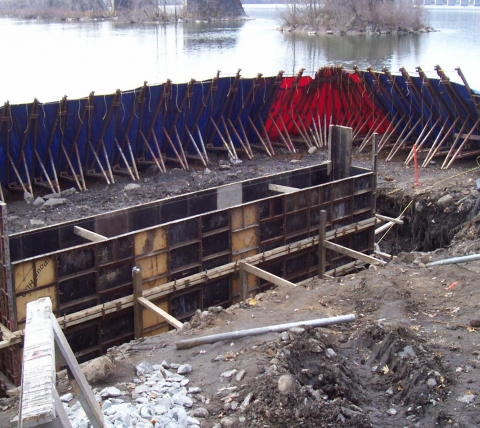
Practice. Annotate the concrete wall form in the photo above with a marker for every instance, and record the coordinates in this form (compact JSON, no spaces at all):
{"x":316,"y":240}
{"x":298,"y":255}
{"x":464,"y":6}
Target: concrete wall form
{"x":181,"y":239}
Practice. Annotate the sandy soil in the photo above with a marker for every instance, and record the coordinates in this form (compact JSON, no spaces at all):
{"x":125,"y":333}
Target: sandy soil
{"x":410,"y":359}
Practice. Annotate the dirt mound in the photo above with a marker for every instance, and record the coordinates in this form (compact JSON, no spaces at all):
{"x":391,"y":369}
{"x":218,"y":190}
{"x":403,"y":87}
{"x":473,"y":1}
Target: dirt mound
{"x":309,"y":382}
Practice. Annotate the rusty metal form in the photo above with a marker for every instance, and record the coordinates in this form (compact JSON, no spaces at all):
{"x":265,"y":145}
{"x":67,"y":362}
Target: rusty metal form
{"x":10,"y":356}
{"x":187,"y":248}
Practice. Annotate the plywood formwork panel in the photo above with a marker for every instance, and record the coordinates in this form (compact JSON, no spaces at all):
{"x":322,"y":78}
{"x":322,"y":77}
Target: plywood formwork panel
{"x":150,"y":241}
{"x":29,"y":296}
{"x":34,"y":273}
{"x":153,"y":266}
{"x":152,"y":323}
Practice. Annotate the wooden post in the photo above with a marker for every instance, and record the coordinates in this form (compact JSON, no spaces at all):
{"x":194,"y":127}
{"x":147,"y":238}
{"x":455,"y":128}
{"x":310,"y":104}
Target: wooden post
{"x":340,"y":151}
{"x":375,"y":140}
{"x":243,"y":282}
{"x":321,"y":239}
{"x":137,"y":307}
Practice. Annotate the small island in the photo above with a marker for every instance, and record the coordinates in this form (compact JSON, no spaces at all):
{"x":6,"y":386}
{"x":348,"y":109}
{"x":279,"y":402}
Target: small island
{"x":309,"y":16}
{"x":354,"y":17}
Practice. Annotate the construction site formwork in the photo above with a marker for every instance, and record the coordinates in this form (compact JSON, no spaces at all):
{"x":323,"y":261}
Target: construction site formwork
{"x":188,"y":248}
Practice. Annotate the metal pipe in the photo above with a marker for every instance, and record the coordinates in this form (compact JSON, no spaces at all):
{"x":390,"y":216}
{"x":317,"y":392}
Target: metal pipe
{"x":320,"y":322}
{"x":455,"y":260}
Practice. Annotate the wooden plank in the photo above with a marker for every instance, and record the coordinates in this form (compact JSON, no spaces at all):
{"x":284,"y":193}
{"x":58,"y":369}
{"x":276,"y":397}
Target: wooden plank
{"x":37,"y":405}
{"x":274,"y":279}
{"x":6,"y":333}
{"x":352,"y":253}
{"x":137,"y":308}
{"x":282,"y":189}
{"x":88,"y":234}
{"x":165,"y":315}
{"x":472,"y":137}
{"x":243,"y":283}
{"x":7,"y":343}
{"x":385,"y":227}
{"x":389,"y":219}
{"x":62,"y":420}
{"x":384,"y":255}
{"x":77,"y":380}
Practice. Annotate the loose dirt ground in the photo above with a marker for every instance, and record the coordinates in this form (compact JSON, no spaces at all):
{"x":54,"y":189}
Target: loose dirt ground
{"x":410,"y":359}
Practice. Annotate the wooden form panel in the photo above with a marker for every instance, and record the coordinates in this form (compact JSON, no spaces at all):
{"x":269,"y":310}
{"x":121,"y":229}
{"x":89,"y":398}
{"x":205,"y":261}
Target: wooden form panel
{"x":152,"y":323}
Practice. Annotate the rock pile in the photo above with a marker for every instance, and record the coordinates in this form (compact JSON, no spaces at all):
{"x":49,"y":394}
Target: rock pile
{"x":158,"y":397}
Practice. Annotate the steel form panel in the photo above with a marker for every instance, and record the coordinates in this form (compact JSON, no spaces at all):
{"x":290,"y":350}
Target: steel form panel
{"x":173,"y":250}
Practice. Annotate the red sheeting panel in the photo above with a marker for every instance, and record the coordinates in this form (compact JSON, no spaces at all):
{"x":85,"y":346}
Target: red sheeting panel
{"x":333,"y":96}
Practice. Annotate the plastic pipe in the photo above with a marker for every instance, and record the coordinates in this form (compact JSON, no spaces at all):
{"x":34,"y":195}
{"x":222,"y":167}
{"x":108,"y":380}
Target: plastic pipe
{"x":454,"y":260}
{"x":190,"y":343}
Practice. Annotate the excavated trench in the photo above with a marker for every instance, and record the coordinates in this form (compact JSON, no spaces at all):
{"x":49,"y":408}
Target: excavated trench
{"x":429,"y":222}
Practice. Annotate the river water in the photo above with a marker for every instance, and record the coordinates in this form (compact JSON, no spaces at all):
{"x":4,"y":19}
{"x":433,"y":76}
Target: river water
{"x":50,"y":59}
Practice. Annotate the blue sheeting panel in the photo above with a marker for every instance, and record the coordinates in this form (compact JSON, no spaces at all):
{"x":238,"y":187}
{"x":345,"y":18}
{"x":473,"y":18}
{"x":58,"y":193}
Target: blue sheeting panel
{"x":413,"y":105}
{"x":91,"y":130}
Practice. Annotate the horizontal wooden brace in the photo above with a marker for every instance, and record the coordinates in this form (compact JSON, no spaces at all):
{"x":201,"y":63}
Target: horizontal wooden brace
{"x":165,"y":315}
{"x":274,"y":279}
{"x":282,"y":189}
{"x":384,"y":227}
{"x":6,"y":333}
{"x":88,"y":234}
{"x":345,"y":268}
{"x":472,"y":137}
{"x":352,"y":253}
{"x":384,"y":255}
{"x":390,"y":219}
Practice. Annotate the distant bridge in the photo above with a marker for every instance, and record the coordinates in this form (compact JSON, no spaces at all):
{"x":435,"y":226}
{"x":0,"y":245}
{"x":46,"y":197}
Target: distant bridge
{"x":449,"y":2}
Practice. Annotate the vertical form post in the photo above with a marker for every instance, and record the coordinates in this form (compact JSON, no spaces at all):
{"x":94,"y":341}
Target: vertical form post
{"x":321,"y":238}
{"x":375,"y":141}
{"x":137,"y":307}
{"x":340,"y":151}
{"x":415,"y":164}
{"x":243,"y":282}
{"x":6,"y":285}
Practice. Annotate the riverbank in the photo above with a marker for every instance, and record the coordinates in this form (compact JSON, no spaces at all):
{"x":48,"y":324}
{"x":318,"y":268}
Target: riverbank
{"x":355,"y":32}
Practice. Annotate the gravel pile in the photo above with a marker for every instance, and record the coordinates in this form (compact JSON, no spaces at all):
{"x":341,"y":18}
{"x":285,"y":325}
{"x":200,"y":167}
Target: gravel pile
{"x":158,"y":397}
